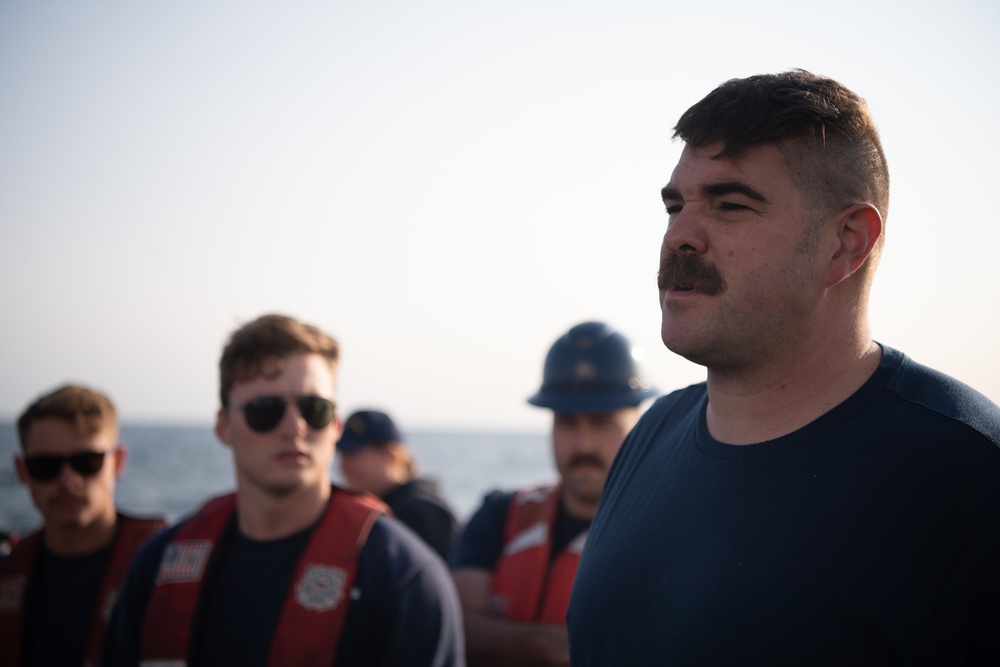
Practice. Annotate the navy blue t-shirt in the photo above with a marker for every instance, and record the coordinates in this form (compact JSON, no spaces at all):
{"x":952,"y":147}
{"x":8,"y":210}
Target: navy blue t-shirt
{"x":869,"y":536}
{"x":61,"y":605}
{"x":403,"y":607}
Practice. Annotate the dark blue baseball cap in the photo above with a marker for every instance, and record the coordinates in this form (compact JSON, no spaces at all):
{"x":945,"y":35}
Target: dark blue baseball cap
{"x":366,"y":427}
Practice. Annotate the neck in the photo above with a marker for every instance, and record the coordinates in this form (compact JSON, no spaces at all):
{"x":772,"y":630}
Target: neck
{"x":767,"y":403}
{"x":577,"y":507}
{"x":267,"y":516}
{"x":64,"y":541}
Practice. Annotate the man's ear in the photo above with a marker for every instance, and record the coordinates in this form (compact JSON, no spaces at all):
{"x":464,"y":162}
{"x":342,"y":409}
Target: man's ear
{"x":22,"y":472}
{"x":121,"y":456}
{"x":222,"y":427}
{"x":858,"y":228}
{"x":338,"y":425}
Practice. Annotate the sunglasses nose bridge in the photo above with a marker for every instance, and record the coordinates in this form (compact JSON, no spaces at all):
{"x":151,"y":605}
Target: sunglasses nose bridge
{"x":296,"y":420}
{"x":67,"y":475}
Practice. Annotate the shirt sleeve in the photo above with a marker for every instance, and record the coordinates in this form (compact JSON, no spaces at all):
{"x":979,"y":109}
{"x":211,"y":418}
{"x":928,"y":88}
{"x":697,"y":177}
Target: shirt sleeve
{"x":481,"y":542}
{"x":404,"y":608}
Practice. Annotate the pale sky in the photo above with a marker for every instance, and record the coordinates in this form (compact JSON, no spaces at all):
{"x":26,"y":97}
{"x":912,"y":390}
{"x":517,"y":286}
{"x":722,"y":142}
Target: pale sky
{"x":446,"y":187}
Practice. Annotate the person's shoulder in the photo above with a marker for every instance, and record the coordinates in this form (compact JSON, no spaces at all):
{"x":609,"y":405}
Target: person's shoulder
{"x":27,"y":541}
{"x":389,"y":530}
{"x":404,"y":595}
{"x":497,"y":499}
{"x":683,"y":399}
{"x":421,"y":493}
{"x":138,"y":528}
{"x":22,"y":553}
{"x":481,"y":540}
{"x":396,"y":551}
{"x":155,"y":544}
{"x":675,"y":408}
{"x":147,"y":520}
{"x":934,"y":394}
{"x":357,"y":500}
{"x":426,"y":488}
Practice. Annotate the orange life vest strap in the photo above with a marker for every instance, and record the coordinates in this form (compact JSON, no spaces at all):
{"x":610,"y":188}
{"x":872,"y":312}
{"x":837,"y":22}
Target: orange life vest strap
{"x":18,"y":568}
{"x":520,"y":575}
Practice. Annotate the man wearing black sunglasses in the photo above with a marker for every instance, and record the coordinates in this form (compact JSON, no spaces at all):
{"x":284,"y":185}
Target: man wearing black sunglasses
{"x":61,"y":581}
{"x":288,"y":569}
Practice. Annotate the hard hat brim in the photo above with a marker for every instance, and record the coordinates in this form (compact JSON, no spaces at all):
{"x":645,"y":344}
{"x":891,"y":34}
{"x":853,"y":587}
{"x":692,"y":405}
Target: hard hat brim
{"x":591,"y":404}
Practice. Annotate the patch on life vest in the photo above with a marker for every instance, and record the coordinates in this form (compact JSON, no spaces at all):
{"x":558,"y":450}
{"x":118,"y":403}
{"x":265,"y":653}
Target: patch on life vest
{"x":498,"y":605}
{"x":183,"y":561}
{"x":12,"y":590}
{"x":320,"y":588}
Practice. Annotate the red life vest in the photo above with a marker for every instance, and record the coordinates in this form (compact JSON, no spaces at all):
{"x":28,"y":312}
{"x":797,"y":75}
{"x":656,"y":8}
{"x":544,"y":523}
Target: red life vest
{"x":17,"y":571}
{"x":315,"y":609}
{"x":525,"y":586}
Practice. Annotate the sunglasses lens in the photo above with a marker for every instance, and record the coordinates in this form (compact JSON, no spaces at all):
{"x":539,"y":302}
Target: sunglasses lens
{"x":264,"y":412}
{"x":46,"y":467}
{"x":86,"y":463}
{"x":43,"y":468}
{"x":316,"y":411}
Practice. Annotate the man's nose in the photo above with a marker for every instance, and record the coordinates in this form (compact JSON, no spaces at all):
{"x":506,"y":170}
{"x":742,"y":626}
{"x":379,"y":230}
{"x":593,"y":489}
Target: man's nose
{"x":684,"y":234}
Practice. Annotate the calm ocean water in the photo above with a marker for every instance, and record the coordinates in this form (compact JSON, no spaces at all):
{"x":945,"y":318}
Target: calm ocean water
{"x":172,"y":469}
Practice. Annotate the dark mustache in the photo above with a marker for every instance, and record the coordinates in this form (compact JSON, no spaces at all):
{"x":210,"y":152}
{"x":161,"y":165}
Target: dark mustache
{"x":689,"y":271}
{"x":585,"y":458}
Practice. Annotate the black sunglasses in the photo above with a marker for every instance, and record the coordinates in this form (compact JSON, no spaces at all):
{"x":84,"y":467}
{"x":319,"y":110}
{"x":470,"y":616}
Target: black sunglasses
{"x":46,"y":467}
{"x":264,"y":413}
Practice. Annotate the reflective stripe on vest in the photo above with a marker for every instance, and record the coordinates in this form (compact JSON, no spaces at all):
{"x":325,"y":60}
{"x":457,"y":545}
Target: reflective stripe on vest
{"x":315,"y":608}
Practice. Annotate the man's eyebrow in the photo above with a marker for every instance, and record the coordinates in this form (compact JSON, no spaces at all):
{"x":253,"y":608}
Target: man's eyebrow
{"x":720,"y":189}
{"x":733,"y":187}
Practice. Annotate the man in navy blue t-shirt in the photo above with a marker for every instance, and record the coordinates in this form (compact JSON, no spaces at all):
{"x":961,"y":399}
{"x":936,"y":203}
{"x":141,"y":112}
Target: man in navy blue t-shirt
{"x":821,"y":499}
{"x":516,"y":559}
{"x":288,"y":570}
{"x":62,"y":580}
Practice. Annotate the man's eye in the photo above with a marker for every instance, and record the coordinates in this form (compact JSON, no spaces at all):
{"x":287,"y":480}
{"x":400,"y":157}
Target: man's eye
{"x":731,"y":206}
{"x":674,"y":209}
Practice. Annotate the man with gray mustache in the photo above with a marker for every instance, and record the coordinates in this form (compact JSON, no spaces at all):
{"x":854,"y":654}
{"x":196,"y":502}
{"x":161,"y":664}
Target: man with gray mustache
{"x":515,"y":561}
{"x":821,"y":499}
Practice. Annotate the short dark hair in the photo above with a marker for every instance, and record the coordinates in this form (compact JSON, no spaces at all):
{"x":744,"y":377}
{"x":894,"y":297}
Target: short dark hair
{"x":86,"y":410}
{"x":824,"y":124}
{"x":268,"y":340}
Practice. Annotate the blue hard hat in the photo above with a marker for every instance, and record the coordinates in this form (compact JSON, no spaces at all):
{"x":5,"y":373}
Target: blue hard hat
{"x":366,"y":427}
{"x":592,"y":368}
